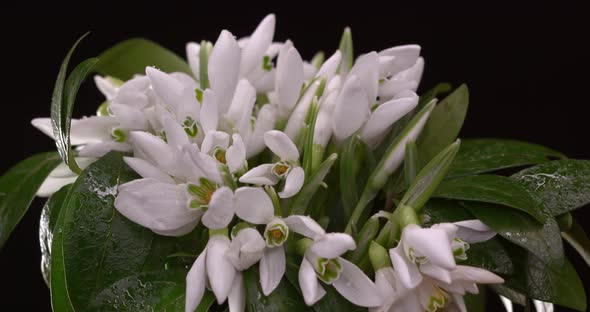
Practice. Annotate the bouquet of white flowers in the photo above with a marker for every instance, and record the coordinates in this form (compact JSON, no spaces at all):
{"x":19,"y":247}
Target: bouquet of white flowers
{"x":250,"y":179}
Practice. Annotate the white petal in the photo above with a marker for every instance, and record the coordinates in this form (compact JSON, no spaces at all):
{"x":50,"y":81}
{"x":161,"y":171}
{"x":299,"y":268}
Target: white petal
{"x":328,"y":69}
{"x":175,"y":134}
{"x":236,"y":154}
{"x":323,"y":125}
{"x":196,"y":280}
{"x":308,"y":282}
{"x":436,"y":272}
{"x":240,"y":111}
{"x":475,"y":275}
{"x":431,"y":243}
{"x":356,"y":287}
{"x":541,"y":306}
{"x":209,"y":111}
{"x":260,"y":175}
{"x":100,"y":149}
{"x":253,"y":205}
{"x":403,"y":57}
{"x":147,"y":170}
{"x":305,"y":226}
{"x":237,"y":296}
{"x":129,"y":117}
{"x":296,"y":121}
{"x":332,"y":245}
{"x":385,"y":281}
{"x":170,"y":90}
{"x":154,"y":149}
{"x":309,"y":71}
{"x":257,"y":44}
{"x":507,"y":304}
{"x":52,"y":185}
{"x":214,"y":139}
{"x":220,"y":271}
{"x":223,"y":68}
{"x":246,"y":249}
{"x":366,"y":68}
{"x":181,"y":231}
{"x":105,"y":86}
{"x":265,"y":121}
{"x":289,"y":79}
{"x":386,"y":115}
{"x":293,"y":183}
{"x":207,"y":165}
{"x":405,"y":270}
{"x":272,"y":269}
{"x":44,"y":125}
{"x":192,"y":55}
{"x":221,"y":209}
{"x":155,"y":205}
{"x":474,"y":231}
{"x":352,"y":109}
{"x":280,"y":144}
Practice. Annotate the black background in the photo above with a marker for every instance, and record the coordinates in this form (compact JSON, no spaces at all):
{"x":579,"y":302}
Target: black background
{"x":526,"y":67}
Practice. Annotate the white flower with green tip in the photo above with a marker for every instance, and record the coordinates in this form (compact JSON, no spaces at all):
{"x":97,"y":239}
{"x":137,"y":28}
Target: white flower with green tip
{"x":322,"y":261}
{"x":287,"y":169}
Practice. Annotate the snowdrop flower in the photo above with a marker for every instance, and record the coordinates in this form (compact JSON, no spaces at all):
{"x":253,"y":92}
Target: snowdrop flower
{"x":254,"y":206}
{"x":265,"y":121}
{"x":322,"y":260}
{"x":62,"y":176}
{"x":296,"y":121}
{"x":254,"y":49}
{"x":400,"y":69}
{"x":289,"y":79}
{"x":217,"y":145}
{"x":213,"y":268}
{"x":323,"y":124}
{"x":286,"y":169}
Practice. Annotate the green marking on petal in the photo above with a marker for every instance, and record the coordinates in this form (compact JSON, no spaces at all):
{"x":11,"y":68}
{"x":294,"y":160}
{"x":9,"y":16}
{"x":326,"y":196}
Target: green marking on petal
{"x":460,"y":248}
{"x":103,"y":109}
{"x":163,"y":136}
{"x":119,"y":135}
{"x":199,"y":95}
{"x":266,"y":63}
{"x":276,"y":234}
{"x":190,"y":127}
{"x":328,"y":270}
{"x":219,"y":154}
{"x":437,"y":301}
{"x":281,"y":169}
{"x":201,"y":194}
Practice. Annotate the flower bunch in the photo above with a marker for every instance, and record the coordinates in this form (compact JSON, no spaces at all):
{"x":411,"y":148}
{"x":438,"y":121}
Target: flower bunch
{"x":325,"y":179}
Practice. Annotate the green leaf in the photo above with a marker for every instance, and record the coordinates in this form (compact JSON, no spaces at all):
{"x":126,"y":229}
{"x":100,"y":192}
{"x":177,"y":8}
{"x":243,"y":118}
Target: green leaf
{"x":489,"y":255}
{"x":60,"y":297}
{"x":561,"y":185}
{"x":486,"y":155}
{"x":476,"y":302}
{"x":131,"y":57}
{"x":492,"y":189}
{"x":533,"y":278}
{"x":411,"y":162}
{"x":509,"y":293}
{"x":98,"y":245}
{"x":18,"y":187}
{"x":439,"y":210}
{"x":302,"y":200}
{"x":433,"y":93}
{"x":356,"y":161}
{"x":151,"y":291}
{"x":519,"y":228}
{"x":578,"y":239}
{"x":429,"y":178}
{"x":363,"y":240}
{"x":444,"y":124}
{"x":284,"y":298}
{"x":308,"y":135}
{"x":49,"y":216}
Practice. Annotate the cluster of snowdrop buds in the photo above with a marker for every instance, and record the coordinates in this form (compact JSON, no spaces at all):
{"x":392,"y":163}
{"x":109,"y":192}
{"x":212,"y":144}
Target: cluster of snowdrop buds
{"x":223,"y":149}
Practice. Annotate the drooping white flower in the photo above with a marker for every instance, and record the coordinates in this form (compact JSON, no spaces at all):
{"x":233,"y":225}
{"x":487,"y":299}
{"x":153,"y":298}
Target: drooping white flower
{"x":322,"y":261}
{"x":400,"y":68}
{"x":61,"y":176}
{"x":289,"y":79}
{"x":286,"y":169}
{"x":254,"y":205}
{"x":213,"y":268}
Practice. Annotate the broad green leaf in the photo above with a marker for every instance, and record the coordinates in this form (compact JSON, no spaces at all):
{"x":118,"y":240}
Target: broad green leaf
{"x":486,"y":155}
{"x":363,"y":240}
{"x":491,"y":189}
{"x":308,"y":154}
{"x":578,"y":239}
{"x":60,"y":296}
{"x":99,"y":246}
{"x":533,"y":278}
{"x":18,"y":187}
{"x":429,"y":178}
{"x":302,"y":200}
{"x":150,"y":291}
{"x":62,"y":104}
{"x":433,"y":93}
{"x":444,"y":124}
{"x":439,"y":210}
{"x":519,"y":228}
{"x":49,"y":216}
{"x":489,"y":255}
{"x":284,"y":298}
{"x":476,"y":302}
{"x":509,"y":293}
{"x":561,"y":185}
{"x":131,"y":57}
